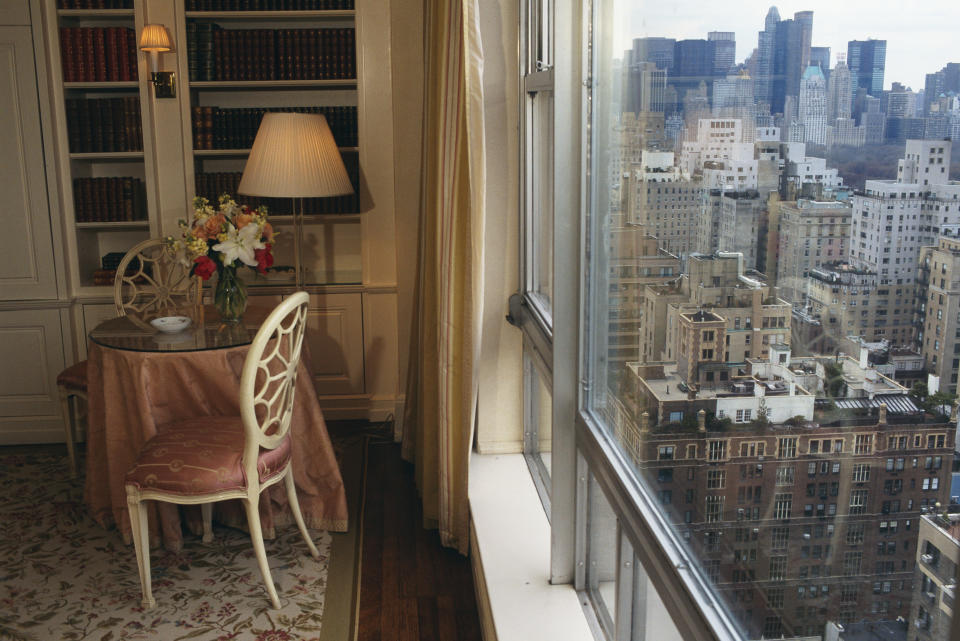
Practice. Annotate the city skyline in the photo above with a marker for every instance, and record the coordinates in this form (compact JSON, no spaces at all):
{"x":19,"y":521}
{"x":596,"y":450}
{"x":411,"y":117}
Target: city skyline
{"x":918,"y":43}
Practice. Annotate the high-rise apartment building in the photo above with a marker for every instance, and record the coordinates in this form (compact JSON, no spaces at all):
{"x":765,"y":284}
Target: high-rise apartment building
{"x":938,"y":309}
{"x":800,"y":512}
{"x":753,"y":316}
{"x":644,"y":86}
{"x":811,"y":233}
{"x":664,"y":201}
{"x":867,"y":61}
{"x":636,"y":260}
{"x":935,"y":585}
{"x":893,"y":219}
{"x":743,"y":226}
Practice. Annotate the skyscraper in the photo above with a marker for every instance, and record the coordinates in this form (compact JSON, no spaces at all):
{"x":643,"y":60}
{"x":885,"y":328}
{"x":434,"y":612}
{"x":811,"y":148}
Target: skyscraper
{"x":839,"y":91}
{"x":812,"y":111}
{"x":867,"y":60}
{"x":820,"y":56}
{"x":725,"y":49}
{"x":766,"y":40}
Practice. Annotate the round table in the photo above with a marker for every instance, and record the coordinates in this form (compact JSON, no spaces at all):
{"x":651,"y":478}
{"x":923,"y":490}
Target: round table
{"x":140,"y":379}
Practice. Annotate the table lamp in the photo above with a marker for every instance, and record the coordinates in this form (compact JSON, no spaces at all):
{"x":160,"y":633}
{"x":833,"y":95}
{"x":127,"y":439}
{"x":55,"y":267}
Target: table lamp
{"x":295,"y":156}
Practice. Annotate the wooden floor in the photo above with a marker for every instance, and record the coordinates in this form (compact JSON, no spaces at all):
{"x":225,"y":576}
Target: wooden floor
{"x":410,"y":586}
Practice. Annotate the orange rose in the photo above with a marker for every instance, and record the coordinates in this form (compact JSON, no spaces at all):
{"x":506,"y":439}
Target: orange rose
{"x":268,"y":232}
{"x":211,"y":227}
{"x":243,"y":220}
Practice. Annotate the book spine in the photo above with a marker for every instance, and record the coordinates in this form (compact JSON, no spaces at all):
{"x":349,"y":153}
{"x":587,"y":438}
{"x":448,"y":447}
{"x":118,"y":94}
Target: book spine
{"x":99,"y":55}
{"x":131,"y":52}
{"x":192,"y":66}
{"x":73,"y":125}
{"x":94,"y":113}
{"x":208,"y":127}
{"x":66,"y":54}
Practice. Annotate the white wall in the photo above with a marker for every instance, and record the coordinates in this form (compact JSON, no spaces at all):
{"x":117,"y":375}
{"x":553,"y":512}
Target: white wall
{"x":500,"y":400}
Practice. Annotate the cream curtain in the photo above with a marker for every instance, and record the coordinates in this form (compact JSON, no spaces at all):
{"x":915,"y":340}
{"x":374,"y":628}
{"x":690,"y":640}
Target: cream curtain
{"x":444,"y":354}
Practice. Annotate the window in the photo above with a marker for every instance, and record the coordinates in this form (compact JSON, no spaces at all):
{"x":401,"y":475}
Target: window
{"x":716,"y":479}
{"x":714,"y":508}
{"x":716,"y":450}
{"x":787,"y":448}
{"x":665,"y":453}
{"x":782,"y":506}
{"x":858,"y":499}
{"x":644,"y":111}
{"x":785,"y":475}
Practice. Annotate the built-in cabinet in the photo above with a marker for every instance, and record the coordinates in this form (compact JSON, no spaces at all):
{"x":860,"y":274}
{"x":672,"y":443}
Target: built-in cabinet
{"x":60,"y":219}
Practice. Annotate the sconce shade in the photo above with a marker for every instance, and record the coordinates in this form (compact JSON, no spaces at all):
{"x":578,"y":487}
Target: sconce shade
{"x":154,"y":37}
{"x":294,"y":156}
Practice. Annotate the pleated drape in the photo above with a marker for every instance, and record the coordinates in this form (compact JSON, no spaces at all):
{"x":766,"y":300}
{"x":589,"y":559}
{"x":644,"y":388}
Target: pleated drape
{"x":442,"y":382}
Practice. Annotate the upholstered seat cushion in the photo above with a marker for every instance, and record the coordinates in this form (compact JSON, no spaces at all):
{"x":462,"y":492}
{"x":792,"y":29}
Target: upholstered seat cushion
{"x":200,"y":456}
{"x":74,"y":377}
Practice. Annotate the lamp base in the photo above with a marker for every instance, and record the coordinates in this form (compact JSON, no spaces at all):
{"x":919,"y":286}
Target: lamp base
{"x":164,"y":85}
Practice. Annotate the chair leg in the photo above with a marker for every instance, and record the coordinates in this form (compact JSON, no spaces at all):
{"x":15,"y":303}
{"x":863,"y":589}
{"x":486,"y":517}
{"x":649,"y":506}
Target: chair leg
{"x":206,"y":510}
{"x":141,"y":544}
{"x":68,"y":426}
{"x":256,"y":536}
{"x":295,"y":508}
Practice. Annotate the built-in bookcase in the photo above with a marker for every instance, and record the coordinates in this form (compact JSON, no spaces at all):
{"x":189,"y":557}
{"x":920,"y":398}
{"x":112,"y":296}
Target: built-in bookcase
{"x":241,"y":63}
{"x":107,"y":189}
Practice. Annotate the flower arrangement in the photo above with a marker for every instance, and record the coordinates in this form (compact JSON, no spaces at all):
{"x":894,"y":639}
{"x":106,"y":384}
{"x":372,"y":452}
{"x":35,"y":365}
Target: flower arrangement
{"x":221,"y":240}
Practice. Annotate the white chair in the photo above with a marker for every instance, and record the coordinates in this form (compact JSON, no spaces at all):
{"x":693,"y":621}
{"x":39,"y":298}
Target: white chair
{"x":210,"y":459}
{"x":155,"y":285}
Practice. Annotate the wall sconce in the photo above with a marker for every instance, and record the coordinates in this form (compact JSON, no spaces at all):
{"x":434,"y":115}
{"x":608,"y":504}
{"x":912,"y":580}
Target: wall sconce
{"x":155,"y":40}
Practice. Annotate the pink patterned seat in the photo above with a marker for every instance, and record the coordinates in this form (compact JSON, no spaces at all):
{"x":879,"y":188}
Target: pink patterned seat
{"x":207,"y":459}
{"x":74,"y":378}
{"x":200,"y":455}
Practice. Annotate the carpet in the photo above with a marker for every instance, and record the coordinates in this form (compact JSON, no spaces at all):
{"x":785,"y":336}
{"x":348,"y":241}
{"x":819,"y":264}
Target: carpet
{"x":62,"y":576}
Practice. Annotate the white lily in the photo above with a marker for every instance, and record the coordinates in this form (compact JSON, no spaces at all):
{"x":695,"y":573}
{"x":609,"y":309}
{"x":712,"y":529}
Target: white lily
{"x":240,"y":244}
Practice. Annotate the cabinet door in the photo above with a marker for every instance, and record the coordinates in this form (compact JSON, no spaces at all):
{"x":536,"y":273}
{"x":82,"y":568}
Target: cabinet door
{"x":31,"y":350}
{"x":27,"y":269}
{"x":335,"y":336}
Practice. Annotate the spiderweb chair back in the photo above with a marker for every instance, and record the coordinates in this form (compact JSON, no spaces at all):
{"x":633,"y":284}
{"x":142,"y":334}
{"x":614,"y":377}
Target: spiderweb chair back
{"x":150,"y":282}
{"x":269,"y":378}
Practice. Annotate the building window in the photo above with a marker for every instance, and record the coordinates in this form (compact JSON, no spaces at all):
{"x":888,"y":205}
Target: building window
{"x":785,"y":475}
{"x":716,"y":479}
{"x":714,"y":508}
{"x":861,"y":473}
{"x":863,"y":444}
{"x":858,"y":500}
{"x":787,"y":448}
{"x":716,"y":450}
{"x":782,"y":506}
{"x":665,"y":453}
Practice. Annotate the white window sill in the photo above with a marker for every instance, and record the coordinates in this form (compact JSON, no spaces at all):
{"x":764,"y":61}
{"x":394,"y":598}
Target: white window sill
{"x":512,"y":541}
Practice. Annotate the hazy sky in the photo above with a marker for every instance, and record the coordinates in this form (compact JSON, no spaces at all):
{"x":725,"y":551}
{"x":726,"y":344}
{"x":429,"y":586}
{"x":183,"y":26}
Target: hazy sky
{"x":921,"y":36}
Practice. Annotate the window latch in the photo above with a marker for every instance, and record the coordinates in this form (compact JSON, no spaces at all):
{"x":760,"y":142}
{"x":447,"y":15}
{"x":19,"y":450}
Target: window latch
{"x":516,"y":310}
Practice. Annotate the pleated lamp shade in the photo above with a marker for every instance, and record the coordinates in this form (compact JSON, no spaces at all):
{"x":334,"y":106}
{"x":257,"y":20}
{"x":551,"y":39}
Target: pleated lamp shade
{"x":154,"y":37}
{"x":294,"y":156}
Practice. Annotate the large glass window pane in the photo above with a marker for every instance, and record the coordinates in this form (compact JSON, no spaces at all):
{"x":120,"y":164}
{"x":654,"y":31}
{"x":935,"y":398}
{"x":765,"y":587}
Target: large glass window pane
{"x":540,"y":200}
{"x":764,"y":184}
{"x":538,"y":422}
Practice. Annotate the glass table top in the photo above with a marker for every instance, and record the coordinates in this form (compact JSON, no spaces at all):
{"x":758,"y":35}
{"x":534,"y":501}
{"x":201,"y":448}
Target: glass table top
{"x":205,"y":332}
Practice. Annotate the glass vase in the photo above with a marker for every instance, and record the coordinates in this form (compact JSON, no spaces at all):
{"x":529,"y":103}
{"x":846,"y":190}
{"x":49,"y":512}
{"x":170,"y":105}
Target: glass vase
{"x":230,"y":296}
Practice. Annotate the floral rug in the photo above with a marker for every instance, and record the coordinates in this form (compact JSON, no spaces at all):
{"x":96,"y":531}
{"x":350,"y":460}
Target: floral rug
{"x":62,"y":576}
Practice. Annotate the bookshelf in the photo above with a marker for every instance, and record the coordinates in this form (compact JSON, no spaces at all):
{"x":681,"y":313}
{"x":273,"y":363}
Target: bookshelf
{"x":297,"y":60}
{"x":106,"y":189}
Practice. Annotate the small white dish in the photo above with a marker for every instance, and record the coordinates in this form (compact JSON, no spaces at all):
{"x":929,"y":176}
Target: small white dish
{"x":171,"y":324}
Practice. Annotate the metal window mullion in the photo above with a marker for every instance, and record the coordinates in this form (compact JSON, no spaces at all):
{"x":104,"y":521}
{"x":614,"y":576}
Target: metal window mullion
{"x":566,"y":235}
{"x":623,"y":614}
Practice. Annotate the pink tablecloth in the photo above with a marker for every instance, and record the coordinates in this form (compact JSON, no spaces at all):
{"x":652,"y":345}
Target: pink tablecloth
{"x":132,"y":394}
